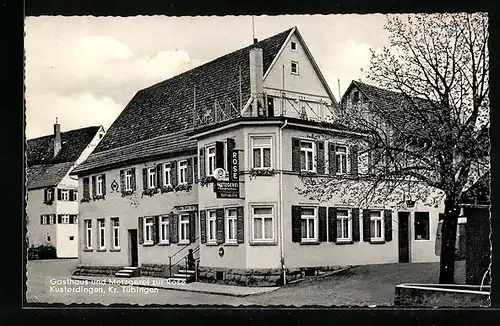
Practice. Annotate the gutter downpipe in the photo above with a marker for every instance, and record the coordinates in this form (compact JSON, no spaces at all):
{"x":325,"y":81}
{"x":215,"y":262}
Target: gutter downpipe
{"x":281,"y":203}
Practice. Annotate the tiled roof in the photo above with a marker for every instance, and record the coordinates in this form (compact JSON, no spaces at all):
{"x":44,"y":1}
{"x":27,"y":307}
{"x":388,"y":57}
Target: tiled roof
{"x":46,"y":175}
{"x":166,"y":108}
{"x":41,"y":150}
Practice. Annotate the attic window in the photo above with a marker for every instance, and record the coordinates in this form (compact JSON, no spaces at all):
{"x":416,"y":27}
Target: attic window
{"x":293,"y":46}
{"x":295,"y":67}
{"x":355,"y":97}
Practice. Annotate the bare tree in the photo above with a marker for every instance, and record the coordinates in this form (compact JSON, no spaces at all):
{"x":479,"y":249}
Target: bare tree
{"x":431,"y":136}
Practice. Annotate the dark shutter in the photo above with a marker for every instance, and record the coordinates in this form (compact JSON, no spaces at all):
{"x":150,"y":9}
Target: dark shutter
{"x":75,"y":193}
{"x":332,"y":221}
{"x":332,"y":163}
{"x":59,"y":219}
{"x":441,"y":216}
{"x":320,"y":156}
{"x":366,"y":225}
{"x":140,"y":230}
{"x":192,"y":227}
{"x":296,"y":155}
{"x":103,"y":184}
{"x":41,"y":219}
{"x":86,"y":190}
{"x":59,"y":194}
{"x":156,"y":231}
{"x":134,"y":179}
{"x":219,"y":154}
{"x":202,"y":162}
{"x":159,"y":175}
{"x":94,"y":186}
{"x":219,"y":222}
{"x":174,"y":229}
{"x":145,"y":178}
{"x":71,"y":195}
{"x":203,"y":226}
{"x":195,"y":169}
{"x":122,"y":180}
{"x":354,"y":159}
{"x":71,"y":219}
{"x":355,"y":224}
{"x":240,"y":225}
{"x":322,"y":224}
{"x":388,"y":225}
{"x":173,"y":173}
{"x":296,"y":234}
{"x":45,"y":195}
{"x":189,"y":172}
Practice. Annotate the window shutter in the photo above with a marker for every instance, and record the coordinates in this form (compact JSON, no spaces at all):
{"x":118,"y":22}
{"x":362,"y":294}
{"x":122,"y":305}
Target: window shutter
{"x":59,"y":194}
{"x":296,"y":155}
{"x":366,"y":225}
{"x":122,"y":180}
{"x":203,"y":226}
{"x":354,"y":159}
{"x":86,"y":190}
{"x":71,"y":195}
{"x":59,"y":219}
{"x":322,"y":224}
{"x":174,"y":229}
{"x":296,"y":234}
{"x":140,"y":230}
{"x":156,"y":231}
{"x":332,"y":167}
{"x":75,"y":194}
{"x":189,"y":172}
{"x":192,"y":227}
{"x":219,"y":154}
{"x":145,"y":178}
{"x":173,"y":173}
{"x":103,"y":184}
{"x":388,"y":225}
{"x":71,"y":219}
{"x":134,"y":184}
{"x":41,"y":219}
{"x":93,"y":186}
{"x":219,"y":222}
{"x":320,"y":156}
{"x":45,"y":195}
{"x":202,"y":162}
{"x":332,"y":219}
{"x":355,"y":224}
{"x":159,"y":175}
{"x":240,"y":225}
{"x":195,"y":169}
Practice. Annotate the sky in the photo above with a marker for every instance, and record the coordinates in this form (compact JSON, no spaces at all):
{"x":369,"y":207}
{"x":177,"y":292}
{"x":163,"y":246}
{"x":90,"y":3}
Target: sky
{"x":84,"y":70}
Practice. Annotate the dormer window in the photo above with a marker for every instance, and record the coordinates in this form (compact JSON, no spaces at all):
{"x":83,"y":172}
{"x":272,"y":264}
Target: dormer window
{"x":294,"y":68}
{"x":293,"y":46}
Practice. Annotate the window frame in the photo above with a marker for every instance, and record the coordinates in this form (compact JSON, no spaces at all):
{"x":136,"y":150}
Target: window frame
{"x":254,"y":216}
{"x":261,"y":149}
{"x":428,"y":218}
{"x":148,"y":224}
{"x":45,"y":219}
{"x":64,"y":218}
{"x":128,"y":180}
{"x":181,"y":225}
{"x":338,"y":155}
{"x":167,"y":174}
{"x":50,"y":194}
{"x":101,"y":234}
{"x":88,"y":233}
{"x":345,"y":219}
{"x":211,"y":220}
{"x":296,"y":63}
{"x":210,"y":160}
{"x":151,"y":174}
{"x":52,"y":219}
{"x":65,"y":194}
{"x":99,"y":185}
{"x":306,"y":150}
{"x":314,"y":218}
{"x":293,"y":46}
{"x":116,"y":233}
{"x":382,"y":225}
{"x":231,"y":222}
{"x":164,"y":221}
{"x":182,"y":169}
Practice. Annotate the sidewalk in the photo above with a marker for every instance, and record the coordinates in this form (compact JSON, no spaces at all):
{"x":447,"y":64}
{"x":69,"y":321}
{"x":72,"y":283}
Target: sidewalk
{"x":165,"y":284}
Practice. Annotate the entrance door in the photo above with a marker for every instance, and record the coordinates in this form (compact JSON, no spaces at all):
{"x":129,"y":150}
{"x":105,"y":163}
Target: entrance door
{"x":404,"y":237}
{"x":132,"y":235}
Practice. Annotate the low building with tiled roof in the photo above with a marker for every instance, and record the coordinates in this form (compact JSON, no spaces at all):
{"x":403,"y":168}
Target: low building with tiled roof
{"x":52,"y":205}
{"x":209,"y":160}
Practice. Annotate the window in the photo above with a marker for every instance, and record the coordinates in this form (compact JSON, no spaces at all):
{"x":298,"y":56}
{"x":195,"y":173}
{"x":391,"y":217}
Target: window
{"x":65,"y":194}
{"x":50,"y":194}
{"x":261,"y":152}
{"x":182,"y":172}
{"x":75,"y":195}
{"x":184,"y":229}
{"x":211,"y":227}
{"x":262,"y":223}
{"x":48,"y":238}
{"x":99,"y":185}
{"x":307,"y":156}
{"x":44,"y":219}
{"x":295,"y":67}
{"x":167,"y":180}
{"x":102,"y":234}
{"x":341,"y":159}
{"x":422,"y":226}
{"x":71,"y":238}
{"x":128,"y":180}
{"x":151,"y":178}
{"x":309,"y":222}
{"x":344,"y":225}
{"x":293,"y":46}
{"x":115,"y":223}
{"x":52,"y":219}
{"x":88,"y":234}
{"x":210,"y":160}
{"x":231,"y":225}
{"x":148,"y":230}
{"x":164,"y":231}
{"x":65,"y":219}
{"x":355,"y":97}
{"x":376,"y":226}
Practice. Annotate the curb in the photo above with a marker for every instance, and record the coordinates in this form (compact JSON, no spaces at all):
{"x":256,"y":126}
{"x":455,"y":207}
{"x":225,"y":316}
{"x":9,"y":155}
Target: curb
{"x":321,"y":276}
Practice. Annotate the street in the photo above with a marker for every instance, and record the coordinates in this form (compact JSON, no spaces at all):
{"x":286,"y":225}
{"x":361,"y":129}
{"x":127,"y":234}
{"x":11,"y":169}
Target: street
{"x":49,"y":281}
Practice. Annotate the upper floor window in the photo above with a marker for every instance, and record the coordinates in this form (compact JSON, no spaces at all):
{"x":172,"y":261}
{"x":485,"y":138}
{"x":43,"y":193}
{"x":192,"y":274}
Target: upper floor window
{"x":183,"y":172}
{"x":99,"y":185}
{"x":151,"y":177}
{"x":65,"y":219}
{"x":128,"y":180}
{"x":210,"y":160}
{"x":293,"y":46}
{"x":261,"y":152}
{"x":309,"y":224}
{"x":65,"y":194}
{"x":355,"y":97}
{"x":294,"y":67}
{"x":167,"y":178}
{"x":307,"y":156}
{"x":341,"y":159}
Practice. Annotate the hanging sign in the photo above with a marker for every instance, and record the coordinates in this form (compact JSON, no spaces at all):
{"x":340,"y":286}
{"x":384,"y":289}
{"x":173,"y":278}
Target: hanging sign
{"x":226,"y":189}
{"x":234,"y":171}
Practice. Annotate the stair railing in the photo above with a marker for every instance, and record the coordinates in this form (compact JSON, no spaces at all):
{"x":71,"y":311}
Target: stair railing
{"x":170,"y":265}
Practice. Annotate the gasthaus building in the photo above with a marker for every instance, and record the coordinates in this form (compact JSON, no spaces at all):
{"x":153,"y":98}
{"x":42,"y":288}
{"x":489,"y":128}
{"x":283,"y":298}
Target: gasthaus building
{"x":149,"y":193}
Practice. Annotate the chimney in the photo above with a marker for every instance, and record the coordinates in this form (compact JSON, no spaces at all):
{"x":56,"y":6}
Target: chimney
{"x":57,"y":138}
{"x":255,"y":40}
{"x":256,"y":78}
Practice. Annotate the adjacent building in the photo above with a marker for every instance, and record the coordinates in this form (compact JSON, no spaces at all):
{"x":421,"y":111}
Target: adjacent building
{"x":52,"y":194}
{"x":211,"y":160}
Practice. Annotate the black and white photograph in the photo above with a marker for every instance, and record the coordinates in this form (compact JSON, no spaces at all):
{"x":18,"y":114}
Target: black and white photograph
{"x":258,"y":160}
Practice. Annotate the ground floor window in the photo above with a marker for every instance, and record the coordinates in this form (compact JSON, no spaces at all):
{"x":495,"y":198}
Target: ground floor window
{"x":422,"y":222}
{"x":211,"y":226}
{"x":262,"y":223}
{"x":148,"y":230}
{"x":115,"y":222}
{"x":309,"y":222}
{"x":184,"y":228}
{"x":376,"y":226}
{"x":164,"y":231}
{"x":231,"y":215}
{"x":101,"y":233}
{"x":344,"y":225}
{"x":88,"y":234}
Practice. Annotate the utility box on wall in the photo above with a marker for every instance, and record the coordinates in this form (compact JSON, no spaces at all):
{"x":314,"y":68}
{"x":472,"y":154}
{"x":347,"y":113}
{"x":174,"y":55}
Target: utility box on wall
{"x":477,"y":255}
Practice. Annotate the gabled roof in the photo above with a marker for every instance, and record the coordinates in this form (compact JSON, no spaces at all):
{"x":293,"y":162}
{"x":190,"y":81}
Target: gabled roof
{"x":46,"y":175}
{"x":166,"y":108}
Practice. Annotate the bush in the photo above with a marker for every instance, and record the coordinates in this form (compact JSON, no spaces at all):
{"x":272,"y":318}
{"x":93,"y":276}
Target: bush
{"x":42,"y":252}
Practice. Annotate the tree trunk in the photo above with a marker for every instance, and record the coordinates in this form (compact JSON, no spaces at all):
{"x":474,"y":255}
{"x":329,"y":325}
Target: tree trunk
{"x":448,"y":240}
